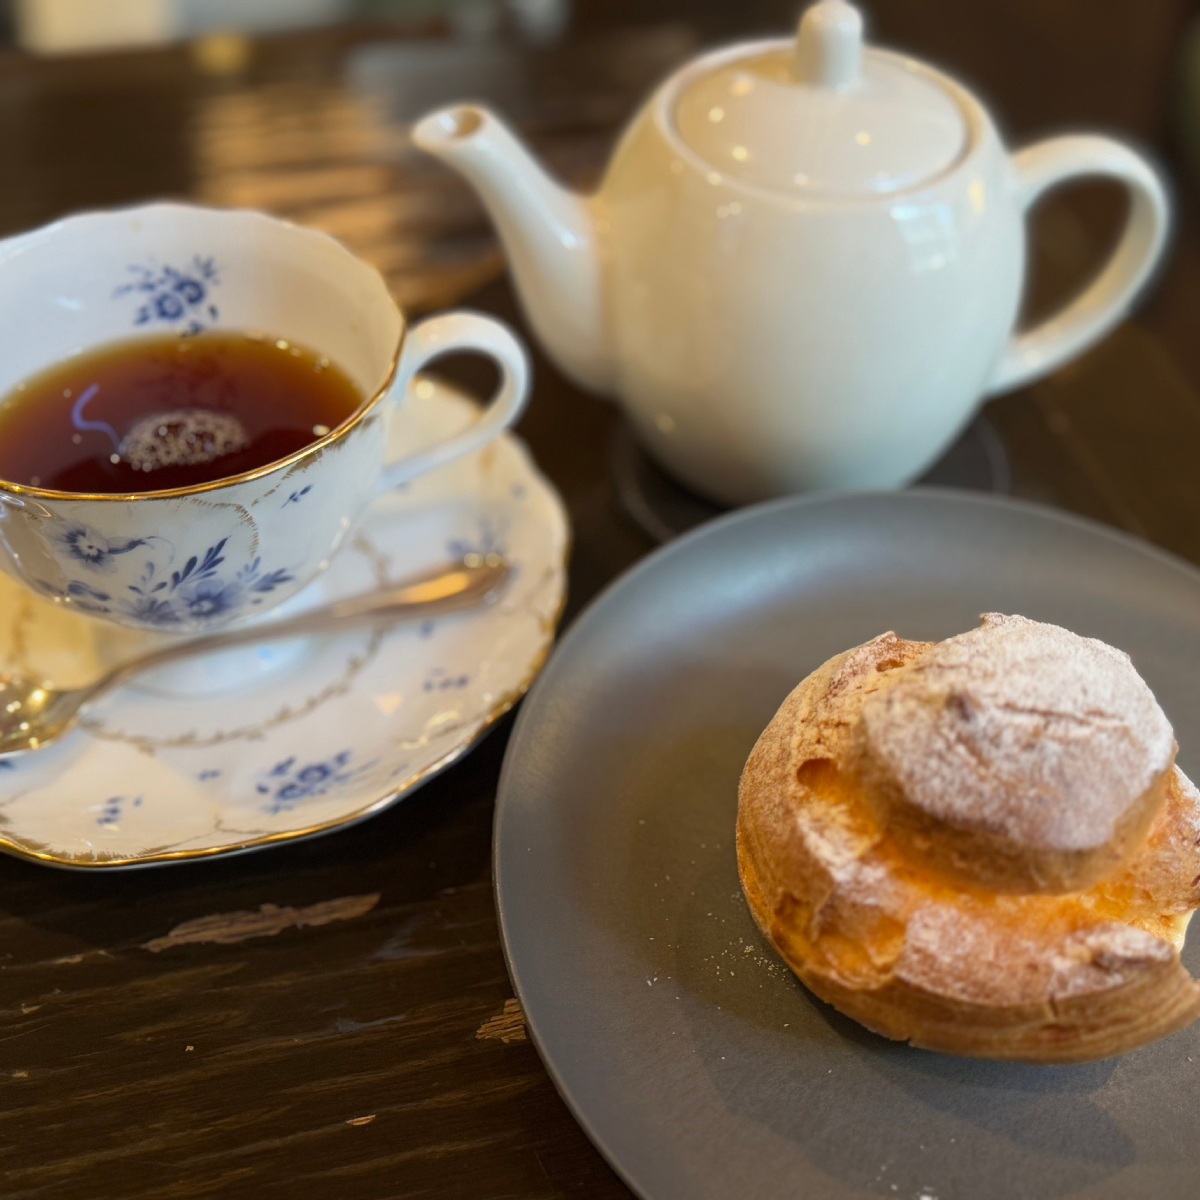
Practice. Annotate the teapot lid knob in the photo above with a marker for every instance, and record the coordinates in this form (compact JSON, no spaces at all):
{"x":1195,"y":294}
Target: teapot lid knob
{"x":829,"y":46}
{"x":821,"y":114}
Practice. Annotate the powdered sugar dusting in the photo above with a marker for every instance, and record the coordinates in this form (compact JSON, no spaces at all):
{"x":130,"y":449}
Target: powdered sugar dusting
{"x":1022,"y":729}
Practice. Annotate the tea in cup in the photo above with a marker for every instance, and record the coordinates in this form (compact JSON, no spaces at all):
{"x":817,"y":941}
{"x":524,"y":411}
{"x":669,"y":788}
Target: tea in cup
{"x":195,"y":407}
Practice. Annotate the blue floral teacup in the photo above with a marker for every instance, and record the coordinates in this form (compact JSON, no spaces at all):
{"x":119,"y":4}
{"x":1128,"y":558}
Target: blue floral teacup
{"x":195,"y":558}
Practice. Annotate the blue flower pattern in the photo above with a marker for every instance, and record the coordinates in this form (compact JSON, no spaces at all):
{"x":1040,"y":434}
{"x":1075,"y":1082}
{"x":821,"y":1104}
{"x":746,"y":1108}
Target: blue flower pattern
{"x":195,"y":594}
{"x":488,"y":540}
{"x":287,"y":783}
{"x":93,"y":550}
{"x":110,"y":811}
{"x":173,"y":295}
{"x":440,"y":680}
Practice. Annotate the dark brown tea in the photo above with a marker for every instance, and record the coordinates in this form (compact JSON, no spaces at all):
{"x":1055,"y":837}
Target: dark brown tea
{"x":168,"y":412}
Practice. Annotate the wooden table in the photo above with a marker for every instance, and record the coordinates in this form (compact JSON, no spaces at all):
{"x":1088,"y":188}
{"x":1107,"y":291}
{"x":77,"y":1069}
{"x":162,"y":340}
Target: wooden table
{"x":379,"y":1054}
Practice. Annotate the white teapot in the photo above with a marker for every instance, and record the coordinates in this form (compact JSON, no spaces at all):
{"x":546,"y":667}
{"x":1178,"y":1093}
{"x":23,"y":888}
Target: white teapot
{"x":803,"y":265}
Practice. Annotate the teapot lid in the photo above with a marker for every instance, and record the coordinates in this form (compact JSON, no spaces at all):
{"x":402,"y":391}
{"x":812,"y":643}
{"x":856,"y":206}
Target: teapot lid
{"x":822,"y":116}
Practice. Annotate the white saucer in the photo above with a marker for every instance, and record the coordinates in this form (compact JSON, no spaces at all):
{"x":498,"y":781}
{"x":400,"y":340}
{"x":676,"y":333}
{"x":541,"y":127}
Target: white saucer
{"x":298,"y":743}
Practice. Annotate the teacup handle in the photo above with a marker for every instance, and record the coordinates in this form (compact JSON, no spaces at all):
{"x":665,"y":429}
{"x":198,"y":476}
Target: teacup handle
{"x":1107,"y":298}
{"x":445,"y":334}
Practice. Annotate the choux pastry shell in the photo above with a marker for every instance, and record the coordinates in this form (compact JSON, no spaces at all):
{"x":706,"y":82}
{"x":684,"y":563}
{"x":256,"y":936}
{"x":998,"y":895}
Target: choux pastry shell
{"x":981,"y":846}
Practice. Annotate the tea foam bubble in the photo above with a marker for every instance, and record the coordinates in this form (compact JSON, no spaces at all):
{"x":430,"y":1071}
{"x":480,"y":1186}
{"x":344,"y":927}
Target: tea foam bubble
{"x":185,"y":438}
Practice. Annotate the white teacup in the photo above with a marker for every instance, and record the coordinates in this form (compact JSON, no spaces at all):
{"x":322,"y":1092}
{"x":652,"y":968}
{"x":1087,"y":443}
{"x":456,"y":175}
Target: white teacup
{"x":196,"y":558}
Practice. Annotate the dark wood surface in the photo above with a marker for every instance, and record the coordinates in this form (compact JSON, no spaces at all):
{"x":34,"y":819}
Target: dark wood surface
{"x":377,"y":1054}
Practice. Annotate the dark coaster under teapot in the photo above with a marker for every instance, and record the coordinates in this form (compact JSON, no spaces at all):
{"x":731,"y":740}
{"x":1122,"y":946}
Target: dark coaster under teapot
{"x":664,"y":508}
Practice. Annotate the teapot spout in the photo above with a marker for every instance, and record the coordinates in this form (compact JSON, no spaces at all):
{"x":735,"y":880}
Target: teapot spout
{"x":548,"y":232}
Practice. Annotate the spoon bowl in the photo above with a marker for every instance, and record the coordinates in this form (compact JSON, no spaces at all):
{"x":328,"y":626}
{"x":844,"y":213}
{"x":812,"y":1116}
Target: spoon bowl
{"x":32,"y":714}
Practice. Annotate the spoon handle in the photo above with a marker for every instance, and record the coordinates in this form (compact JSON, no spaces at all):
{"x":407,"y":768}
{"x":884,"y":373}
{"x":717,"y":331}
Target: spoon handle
{"x":460,"y":585}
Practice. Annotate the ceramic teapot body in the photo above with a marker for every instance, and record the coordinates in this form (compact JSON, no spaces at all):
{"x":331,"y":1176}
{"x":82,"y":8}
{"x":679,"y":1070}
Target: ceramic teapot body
{"x":767,"y":339}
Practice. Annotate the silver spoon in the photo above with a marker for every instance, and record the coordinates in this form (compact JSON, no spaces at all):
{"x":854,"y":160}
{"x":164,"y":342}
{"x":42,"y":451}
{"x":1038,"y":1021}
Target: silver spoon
{"x":34,"y":714}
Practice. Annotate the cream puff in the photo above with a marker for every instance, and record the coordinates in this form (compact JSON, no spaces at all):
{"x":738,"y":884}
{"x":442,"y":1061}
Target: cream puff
{"x":981,"y":846}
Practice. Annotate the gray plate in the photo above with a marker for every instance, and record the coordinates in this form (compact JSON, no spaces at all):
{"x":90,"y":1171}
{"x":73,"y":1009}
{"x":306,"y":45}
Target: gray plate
{"x":692,"y":1057}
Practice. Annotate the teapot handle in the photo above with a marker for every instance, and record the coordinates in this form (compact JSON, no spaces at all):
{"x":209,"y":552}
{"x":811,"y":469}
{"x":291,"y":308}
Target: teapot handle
{"x":1101,"y":305}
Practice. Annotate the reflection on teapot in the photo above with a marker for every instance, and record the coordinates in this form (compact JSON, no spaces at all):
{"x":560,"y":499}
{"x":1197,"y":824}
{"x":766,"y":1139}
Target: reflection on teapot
{"x":803,"y":265}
